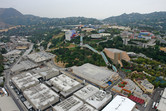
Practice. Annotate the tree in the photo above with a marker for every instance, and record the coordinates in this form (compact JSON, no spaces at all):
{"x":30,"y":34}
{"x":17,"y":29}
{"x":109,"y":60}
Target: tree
{"x":3,"y":51}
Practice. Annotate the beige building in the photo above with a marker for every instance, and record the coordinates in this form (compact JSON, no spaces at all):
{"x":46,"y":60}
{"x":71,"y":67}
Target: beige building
{"x":145,"y":85}
{"x":88,"y":29}
{"x":116,"y":55}
{"x":120,"y":27}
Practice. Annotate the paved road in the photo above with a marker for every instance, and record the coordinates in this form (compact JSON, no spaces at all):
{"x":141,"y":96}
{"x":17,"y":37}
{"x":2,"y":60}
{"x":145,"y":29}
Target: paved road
{"x":7,"y":79}
{"x":155,"y":98}
{"x":12,"y":93}
{"x":104,"y":41}
{"x":29,"y":50}
{"x":161,"y":40}
{"x":122,"y":74}
{"x":15,"y":98}
{"x":109,"y":87}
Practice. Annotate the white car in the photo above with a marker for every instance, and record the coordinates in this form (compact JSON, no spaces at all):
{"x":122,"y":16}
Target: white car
{"x":154,"y":103}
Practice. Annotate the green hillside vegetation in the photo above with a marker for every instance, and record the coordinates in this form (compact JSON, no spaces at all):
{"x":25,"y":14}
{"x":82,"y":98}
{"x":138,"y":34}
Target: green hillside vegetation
{"x":77,"y":56}
{"x":151,"y":67}
{"x":155,"y":20}
{"x":11,"y":16}
{"x":150,"y":52}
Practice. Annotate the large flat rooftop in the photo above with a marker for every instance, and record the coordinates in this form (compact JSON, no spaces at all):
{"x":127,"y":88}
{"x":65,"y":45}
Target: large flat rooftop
{"x":96,"y":75}
{"x":13,"y":52}
{"x":65,"y":84}
{"x":40,"y":56}
{"x":23,"y":65}
{"x":147,"y":84}
{"x":41,"y":96}
{"x":73,"y":104}
{"x":69,"y":104}
{"x":99,"y":99}
{"x":86,"y":92}
{"x":46,"y":72}
{"x":120,"y":103}
{"x":24,"y":81}
{"x":93,"y":96}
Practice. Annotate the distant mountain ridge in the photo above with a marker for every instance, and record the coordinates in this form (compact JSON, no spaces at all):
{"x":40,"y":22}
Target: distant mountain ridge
{"x":10,"y":17}
{"x":155,"y":20}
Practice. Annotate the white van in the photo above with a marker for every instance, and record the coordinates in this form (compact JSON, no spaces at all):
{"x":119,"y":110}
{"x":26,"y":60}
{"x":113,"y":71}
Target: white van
{"x":154,"y":103}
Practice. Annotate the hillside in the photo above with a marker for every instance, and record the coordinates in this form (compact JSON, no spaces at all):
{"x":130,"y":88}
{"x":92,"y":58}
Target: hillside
{"x":10,"y":17}
{"x":156,"y":20}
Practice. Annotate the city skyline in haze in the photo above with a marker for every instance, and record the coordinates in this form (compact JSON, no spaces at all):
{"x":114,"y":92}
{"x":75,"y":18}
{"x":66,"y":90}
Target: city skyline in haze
{"x":99,"y":9}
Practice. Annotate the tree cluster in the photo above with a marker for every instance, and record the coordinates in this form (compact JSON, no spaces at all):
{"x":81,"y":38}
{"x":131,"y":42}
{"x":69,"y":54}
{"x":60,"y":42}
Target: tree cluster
{"x":78,"y":56}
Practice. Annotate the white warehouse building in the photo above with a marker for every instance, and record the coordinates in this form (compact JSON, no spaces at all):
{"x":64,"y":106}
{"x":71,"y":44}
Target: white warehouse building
{"x":24,"y":81}
{"x":120,"y":103}
{"x":65,"y":84}
{"x":73,"y":104}
{"x":98,"y":76}
{"x":41,"y":96}
{"x":93,"y":96}
{"x":46,"y":72}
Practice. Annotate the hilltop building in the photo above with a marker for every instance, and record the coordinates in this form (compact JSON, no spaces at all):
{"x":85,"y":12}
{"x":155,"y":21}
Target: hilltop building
{"x":120,"y":27}
{"x":116,"y":55}
{"x":126,"y":34}
{"x":96,"y":36}
{"x":146,"y":35}
{"x":88,"y":29}
{"x":100,"y":35}
{"x":70,"y":34}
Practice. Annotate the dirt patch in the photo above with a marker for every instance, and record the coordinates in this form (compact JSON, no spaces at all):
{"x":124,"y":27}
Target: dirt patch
{"x":163,"y":49}
{"x":60,"y":64}
{"x":71,"y":46}
{"x":5,"y":30}
{"x":58,"y":36}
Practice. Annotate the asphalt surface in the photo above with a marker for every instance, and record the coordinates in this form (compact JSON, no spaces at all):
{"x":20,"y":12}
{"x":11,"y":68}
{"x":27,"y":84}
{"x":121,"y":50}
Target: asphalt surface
{"x":122,"y":74}
{"x":7,"y":86}
{"x":155,"y":98}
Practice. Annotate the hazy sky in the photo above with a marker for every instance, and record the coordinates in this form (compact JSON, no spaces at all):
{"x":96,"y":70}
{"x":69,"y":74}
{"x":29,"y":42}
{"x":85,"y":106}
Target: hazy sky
{"x":88,"y":8}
